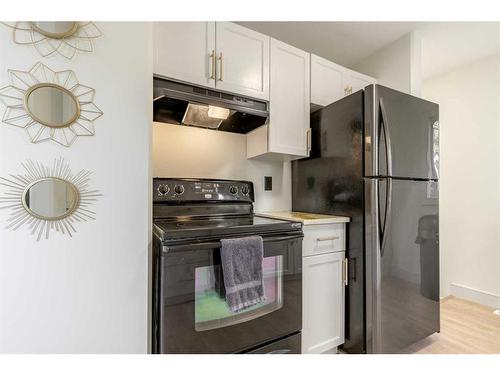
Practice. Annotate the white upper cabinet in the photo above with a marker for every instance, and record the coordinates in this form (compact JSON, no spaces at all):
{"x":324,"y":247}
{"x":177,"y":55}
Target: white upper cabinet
{"x":183,"y":51}
{"x":327,"y":81}
{"x":242,"y":60}
{"x":219,"y":55}
{"x":287,"y":135}
{"x":331,"y":82}
{"x":289,"y":129}
{"x":357,"y":81}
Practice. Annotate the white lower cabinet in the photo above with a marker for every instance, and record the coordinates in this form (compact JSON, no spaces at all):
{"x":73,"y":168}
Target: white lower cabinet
{"x":323,"y":293}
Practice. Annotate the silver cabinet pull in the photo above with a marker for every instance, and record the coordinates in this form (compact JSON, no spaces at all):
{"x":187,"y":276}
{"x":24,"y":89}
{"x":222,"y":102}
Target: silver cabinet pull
{"x":221,"y":60}
{"x":345,"y":271}
{"x":212,"y":60}
{"x":309,"y":140}
{"x":332,"y":238}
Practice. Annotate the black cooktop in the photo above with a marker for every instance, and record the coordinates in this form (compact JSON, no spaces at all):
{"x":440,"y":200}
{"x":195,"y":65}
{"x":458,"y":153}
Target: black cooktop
{"x":194,"y":228}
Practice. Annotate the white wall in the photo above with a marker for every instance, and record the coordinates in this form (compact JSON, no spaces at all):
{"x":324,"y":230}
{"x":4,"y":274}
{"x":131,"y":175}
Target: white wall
{"x":469,"y":105}
{"x":87,"y":294}
{"x":397,"y":65}
{"x":183,"y":151}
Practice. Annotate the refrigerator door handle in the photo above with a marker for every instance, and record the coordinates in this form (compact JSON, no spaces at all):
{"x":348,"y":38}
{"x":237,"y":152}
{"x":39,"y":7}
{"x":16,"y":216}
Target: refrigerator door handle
{"x":387,"y":134}
{"x":388,"y":196}
{"x":387,"y":216}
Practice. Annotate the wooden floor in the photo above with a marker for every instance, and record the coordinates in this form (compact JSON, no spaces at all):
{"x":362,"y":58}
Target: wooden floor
{"x":466,"y":328}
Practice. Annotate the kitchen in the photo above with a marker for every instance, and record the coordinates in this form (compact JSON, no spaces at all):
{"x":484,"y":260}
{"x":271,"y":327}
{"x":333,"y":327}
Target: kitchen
{"x":285,"y":98}
{"x":297,"y":81}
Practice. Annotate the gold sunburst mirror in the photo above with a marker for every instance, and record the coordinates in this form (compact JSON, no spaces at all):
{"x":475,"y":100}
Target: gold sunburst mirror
{"x":46,"y":199}
{"x":55,"y":37}
{"x":49,"y":105}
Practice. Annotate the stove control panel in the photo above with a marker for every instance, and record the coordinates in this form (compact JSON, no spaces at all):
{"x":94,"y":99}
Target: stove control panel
{"x":171,"y":189}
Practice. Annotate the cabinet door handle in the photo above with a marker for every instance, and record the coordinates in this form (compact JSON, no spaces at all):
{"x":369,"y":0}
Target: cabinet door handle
{"x":354,"y":271}
{"x":332,"y":238}
{"x":309,"y":140}
{"x":221,"y":60}
{"x":212,"y":60}
{"x":345,"y":271}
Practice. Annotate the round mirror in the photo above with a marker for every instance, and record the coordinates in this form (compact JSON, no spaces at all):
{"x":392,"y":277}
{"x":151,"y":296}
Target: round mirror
{"x":51,"y":105}
{"x":55,"y":30}
{"x":50,"y":198}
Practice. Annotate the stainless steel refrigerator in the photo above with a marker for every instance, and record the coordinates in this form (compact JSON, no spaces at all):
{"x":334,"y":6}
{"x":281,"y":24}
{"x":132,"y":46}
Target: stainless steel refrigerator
{"x":375,"y":158}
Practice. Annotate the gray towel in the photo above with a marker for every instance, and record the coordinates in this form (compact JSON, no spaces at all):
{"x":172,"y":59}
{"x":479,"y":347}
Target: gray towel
{"x":241,"y":260}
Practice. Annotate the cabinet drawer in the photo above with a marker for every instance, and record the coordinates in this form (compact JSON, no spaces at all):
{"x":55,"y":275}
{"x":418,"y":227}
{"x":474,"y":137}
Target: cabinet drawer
{"x":324,"y":238}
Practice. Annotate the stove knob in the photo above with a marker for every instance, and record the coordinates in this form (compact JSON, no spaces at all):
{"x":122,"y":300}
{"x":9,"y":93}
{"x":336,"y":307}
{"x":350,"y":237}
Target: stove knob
{"x":245,"y":190}
{"x":179,"y":189}
{"x":233,"y":190}
{"x":163,"y":189}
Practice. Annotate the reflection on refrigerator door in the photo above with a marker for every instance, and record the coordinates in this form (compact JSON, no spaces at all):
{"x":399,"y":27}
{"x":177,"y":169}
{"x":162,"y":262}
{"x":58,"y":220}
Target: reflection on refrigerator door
{"x":409,"y":268}
{"x":407,"y":130}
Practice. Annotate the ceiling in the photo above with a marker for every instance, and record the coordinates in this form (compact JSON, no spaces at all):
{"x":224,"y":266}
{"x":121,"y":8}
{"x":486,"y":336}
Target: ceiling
{"x":445,"y":45}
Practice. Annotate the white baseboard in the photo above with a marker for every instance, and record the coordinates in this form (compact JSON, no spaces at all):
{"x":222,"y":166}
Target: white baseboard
{"x":475,"y":295}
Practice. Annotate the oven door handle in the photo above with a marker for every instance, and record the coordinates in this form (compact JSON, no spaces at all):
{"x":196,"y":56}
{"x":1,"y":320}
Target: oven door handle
{"x":217,"y":244}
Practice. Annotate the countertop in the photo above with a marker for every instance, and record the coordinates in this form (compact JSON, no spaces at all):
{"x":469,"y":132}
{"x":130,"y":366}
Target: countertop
{"x":306,"y":218}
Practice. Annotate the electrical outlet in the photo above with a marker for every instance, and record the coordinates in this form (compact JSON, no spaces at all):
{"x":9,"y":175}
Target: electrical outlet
{"x":268,"y":183}
{"x":496,"y":312}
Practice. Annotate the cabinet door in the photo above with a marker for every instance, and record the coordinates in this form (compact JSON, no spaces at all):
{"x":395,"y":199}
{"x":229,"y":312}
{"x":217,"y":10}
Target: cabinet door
{"x":182,"y":51}
{"x":356,"y":81}
{"x":323,"y":302}
{"x":242,"y":60}
{"x":327,"y":81}
{"x":290,"y":100}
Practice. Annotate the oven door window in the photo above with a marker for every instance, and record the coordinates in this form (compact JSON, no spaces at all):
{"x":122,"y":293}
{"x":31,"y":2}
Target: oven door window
{"x":211,"y":309}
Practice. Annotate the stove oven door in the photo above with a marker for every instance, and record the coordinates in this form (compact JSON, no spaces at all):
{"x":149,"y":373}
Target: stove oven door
{"x":191,"y":314}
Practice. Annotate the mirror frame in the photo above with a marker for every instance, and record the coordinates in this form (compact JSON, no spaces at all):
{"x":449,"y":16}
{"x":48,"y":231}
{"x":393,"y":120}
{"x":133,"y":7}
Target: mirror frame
{"x":80,"y":38}
{"x":68,"y":213}
{"x":13,"y":192}
{"x":48,"y":34}
{"x":61,"y":88}
{"x":15,"y":98}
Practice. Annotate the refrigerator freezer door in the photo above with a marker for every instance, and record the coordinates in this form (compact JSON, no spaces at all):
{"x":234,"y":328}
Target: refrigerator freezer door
{"x":404,"y":284}
{"x":402,"y":134}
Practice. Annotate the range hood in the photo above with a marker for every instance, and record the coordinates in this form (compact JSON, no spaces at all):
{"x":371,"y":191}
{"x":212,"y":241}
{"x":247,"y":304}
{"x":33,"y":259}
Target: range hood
{"x":184,"y":104}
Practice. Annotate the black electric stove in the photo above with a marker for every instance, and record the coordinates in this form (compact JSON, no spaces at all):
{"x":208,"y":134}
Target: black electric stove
{"x":190,"y":217}
{"x":187,"y":229}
